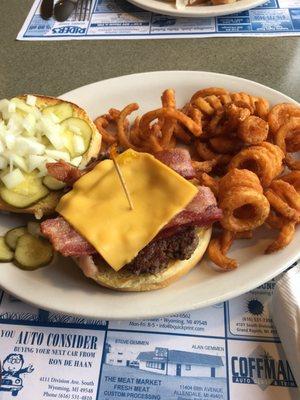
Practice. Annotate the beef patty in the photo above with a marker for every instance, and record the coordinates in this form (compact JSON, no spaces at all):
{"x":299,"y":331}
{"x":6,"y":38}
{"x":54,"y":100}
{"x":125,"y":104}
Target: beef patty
{"x":157,"y":254}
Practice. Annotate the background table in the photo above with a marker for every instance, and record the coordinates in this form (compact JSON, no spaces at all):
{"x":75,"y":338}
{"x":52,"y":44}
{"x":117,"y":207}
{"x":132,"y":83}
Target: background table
{"x":67,"y":65}
{"x":53,"y":68}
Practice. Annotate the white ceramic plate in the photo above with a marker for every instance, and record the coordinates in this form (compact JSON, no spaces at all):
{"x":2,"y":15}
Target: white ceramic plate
{"x":62,"y":287}
{"x":168,"y":8}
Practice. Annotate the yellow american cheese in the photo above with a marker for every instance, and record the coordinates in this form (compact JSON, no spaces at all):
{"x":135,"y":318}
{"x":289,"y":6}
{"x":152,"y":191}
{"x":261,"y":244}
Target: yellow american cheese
{"x":98,"y":209}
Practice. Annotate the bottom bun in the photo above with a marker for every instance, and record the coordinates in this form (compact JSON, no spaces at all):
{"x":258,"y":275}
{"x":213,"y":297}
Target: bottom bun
{"x":126,"y":281}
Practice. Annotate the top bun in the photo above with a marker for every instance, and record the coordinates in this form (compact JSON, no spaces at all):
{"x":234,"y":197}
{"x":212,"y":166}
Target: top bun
{"x":48,"y":204}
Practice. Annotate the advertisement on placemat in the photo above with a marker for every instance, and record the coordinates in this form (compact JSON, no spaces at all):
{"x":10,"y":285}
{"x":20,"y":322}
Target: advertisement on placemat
{"x":258,"y":370}
{"x":118,"y":19}
{"x":249,"y":314}
{"x":207,"y":321}
{"x":227,"y":351}
{"x":50,"y":362}
{"x":163,"y":367}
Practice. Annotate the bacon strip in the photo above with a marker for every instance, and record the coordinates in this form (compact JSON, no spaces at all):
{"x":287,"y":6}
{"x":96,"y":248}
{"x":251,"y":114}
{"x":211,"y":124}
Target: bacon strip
{"x":65,"y":239}
{"x":179,"y":160}
{"x":201,"y":211}
{"x":88,"y":266}
{"x":64,"y":172}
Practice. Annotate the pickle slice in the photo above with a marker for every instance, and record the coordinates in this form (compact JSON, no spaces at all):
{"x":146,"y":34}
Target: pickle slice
{"x":32,"y":252}
{"x":26,"y":193}
{"x":5,"y":252}
{"x":34,"y":229}
{"x":80,"y":127}
{"x":11,"y":237}
{"x":67,"y":137}
{"x":62,"y":111}
{"x":52,"y":183}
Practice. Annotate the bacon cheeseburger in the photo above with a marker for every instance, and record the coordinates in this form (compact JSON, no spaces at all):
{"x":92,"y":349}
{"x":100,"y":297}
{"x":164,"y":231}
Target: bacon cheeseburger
{"x":144,"y":248}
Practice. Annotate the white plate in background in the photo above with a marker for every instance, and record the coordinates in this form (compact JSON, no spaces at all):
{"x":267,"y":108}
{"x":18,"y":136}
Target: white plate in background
{"x":61,"y":287}
{"x":200,"y":11}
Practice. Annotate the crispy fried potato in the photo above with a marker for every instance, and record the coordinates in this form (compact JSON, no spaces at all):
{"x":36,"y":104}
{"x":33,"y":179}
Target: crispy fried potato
{"x":122,"y":134}
{"x":168,"y":113}
{"x":284,"y":238}
{"x":101,"y":124}
{"x":204,"y":166}
{"x":265,"y":160}
{"x":281,"y":207}
{"x":181,"y":134}
{"x":207,"y":180}
{"x":209,"y":91}
{"x":293,"y":178}
{"x":240,"y":147}
{"x":253,"y":130}
{"x":216,"y":256}
{"x":226,"y":240}
{"x":280,"y":114}
{"x":167,"y":128}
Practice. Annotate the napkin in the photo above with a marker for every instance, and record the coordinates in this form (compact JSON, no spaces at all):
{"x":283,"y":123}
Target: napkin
{"x":286,"y":316}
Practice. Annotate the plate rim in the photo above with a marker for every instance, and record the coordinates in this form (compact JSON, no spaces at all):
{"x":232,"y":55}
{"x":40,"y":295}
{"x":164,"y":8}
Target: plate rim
{"x":165,"y":8}
{"x":147,"y":315}
{"x":40,"y":303}
{"x":180,"y":71}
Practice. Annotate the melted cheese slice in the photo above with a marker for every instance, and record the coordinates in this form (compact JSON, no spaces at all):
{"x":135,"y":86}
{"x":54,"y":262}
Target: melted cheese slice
{"x":98,"y":209}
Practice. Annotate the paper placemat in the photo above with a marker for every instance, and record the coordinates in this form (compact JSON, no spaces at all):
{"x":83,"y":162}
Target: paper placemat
{"x":118,"y":19}
{"x":227,"y":351}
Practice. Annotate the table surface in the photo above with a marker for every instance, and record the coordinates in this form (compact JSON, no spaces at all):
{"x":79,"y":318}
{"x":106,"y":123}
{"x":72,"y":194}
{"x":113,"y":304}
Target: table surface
{"x":53,"y":68}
